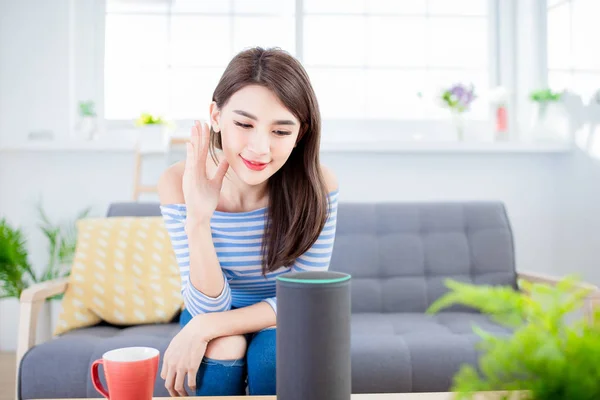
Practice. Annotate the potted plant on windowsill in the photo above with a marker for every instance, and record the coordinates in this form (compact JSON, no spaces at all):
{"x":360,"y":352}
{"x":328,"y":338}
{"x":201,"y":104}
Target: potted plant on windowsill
{"x":549,"y":355}
{"x":549,"y":119}
{"x":86,"y":129}
{"x":153,"y":132}
{"x":458,"y":99}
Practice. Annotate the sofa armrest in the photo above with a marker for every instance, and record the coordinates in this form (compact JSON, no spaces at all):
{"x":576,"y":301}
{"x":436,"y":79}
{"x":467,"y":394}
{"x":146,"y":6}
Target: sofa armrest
{"x":31,"y":301}
{"x":591,"y":302}
{"x":44,"y":290}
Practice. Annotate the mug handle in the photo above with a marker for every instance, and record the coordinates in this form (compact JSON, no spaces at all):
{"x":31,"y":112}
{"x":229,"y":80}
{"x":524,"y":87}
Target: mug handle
{"x":96,"y":379}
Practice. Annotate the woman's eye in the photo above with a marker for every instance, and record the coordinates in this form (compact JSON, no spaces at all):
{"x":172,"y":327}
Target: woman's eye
{"x":245,"y":126}
{"x":283,"y":133}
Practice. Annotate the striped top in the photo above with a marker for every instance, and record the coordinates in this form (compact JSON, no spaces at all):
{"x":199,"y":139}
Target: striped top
{"x":238,"y":239}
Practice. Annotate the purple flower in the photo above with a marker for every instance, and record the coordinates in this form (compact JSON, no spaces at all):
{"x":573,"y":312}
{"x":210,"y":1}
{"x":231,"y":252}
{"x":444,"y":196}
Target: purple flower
{"x":459,"y":97}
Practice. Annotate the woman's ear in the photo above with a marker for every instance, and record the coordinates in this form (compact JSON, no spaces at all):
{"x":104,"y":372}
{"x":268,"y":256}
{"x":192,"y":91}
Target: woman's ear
{"x":215,"y":117}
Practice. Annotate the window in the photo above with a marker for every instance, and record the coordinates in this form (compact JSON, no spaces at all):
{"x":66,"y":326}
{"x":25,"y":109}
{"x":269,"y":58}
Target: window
{"x":573,"y":32}
{"x":166,"y":57}
{"x":370,"y":59}
{"x":367,"y":59}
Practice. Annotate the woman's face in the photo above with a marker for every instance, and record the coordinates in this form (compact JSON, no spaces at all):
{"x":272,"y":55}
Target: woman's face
{"x":258,"y":133}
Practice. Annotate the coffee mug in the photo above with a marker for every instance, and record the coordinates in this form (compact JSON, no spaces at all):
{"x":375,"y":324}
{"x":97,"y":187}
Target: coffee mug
{"x":130,"y":373}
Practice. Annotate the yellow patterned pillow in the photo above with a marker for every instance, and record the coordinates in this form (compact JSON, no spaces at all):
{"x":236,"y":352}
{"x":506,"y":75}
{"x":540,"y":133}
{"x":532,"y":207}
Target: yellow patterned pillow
{"x":124,"y":272}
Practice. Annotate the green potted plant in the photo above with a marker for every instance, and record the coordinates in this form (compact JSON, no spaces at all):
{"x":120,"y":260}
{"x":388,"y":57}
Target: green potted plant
{"x":549,"y":118}
{"x":17,"y":274}
{"x":62,"y":242}
{"x":87,"y":120}
{"x":61,"y":239}
{"x":550,"y":355}
{"x":15,"y":270}
{"x":153,"y":131}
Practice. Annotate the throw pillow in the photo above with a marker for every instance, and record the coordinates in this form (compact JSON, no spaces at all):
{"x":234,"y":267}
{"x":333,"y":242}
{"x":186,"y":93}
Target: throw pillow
{"x":124,"y":272}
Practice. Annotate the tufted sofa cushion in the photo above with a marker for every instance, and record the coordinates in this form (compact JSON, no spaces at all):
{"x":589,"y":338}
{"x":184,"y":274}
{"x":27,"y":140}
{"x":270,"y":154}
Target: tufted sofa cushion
{"x":400,"y":254}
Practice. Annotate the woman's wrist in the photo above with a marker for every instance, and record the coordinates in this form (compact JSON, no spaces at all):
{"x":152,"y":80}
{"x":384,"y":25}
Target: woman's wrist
{"x":207,"y":326}
{"x":196,"y":225}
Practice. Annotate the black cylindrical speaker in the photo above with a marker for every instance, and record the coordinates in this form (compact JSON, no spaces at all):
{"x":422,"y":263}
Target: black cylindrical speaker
{"x":313,"y":336}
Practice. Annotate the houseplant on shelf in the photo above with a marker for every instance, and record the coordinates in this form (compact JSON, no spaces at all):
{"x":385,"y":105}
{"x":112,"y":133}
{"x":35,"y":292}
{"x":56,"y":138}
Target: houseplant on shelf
{"x":549,"y":119}
{"x":86,"y":128}
{"x":458,"y":99}
{"x":547,"y":356}
{"x":153,"y":131}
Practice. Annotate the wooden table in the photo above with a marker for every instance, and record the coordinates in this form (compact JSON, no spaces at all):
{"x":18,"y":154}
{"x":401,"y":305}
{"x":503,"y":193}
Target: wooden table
{"x":386,"y":396}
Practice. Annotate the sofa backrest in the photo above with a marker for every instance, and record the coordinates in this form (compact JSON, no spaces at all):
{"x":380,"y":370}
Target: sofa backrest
{"x":400,"y":254}
{"x":133,"y":209}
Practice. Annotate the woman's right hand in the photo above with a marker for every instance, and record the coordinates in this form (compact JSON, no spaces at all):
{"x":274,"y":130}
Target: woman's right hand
{"x":200,"y":192}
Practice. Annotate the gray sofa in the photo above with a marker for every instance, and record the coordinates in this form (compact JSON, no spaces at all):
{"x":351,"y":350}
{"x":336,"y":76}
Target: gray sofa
{"x":399,"y":255}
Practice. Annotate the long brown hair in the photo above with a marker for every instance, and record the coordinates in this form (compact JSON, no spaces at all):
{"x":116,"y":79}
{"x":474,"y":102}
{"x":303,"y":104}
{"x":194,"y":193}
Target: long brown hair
{"x":298,"y":198}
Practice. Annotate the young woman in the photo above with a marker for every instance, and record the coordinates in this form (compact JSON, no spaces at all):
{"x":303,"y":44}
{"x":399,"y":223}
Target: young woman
{"x":260,"y":206}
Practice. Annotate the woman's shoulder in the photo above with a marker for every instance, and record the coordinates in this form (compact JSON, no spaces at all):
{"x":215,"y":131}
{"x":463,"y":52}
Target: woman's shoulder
{"x":331,"y":182}
{"x":170,"y":190}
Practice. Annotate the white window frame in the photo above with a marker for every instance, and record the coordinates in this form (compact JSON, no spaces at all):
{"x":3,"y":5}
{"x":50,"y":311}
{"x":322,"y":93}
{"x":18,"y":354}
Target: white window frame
{"x":504,"y":28}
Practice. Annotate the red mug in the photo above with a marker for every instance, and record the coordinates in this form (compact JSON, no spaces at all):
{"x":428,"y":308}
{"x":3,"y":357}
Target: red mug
{"x":130,"y":373}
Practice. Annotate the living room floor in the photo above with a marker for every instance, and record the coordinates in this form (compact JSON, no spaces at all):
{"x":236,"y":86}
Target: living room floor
{"x":7,"y":376}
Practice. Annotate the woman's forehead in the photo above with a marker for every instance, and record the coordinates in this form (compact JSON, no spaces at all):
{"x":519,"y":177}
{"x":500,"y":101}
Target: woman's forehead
{"x":259,"y":102}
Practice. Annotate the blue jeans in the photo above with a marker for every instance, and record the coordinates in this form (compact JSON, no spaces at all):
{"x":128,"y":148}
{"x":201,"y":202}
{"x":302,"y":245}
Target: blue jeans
{"x":230,"y":377}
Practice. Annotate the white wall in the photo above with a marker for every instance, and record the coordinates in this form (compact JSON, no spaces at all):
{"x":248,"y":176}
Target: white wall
{"x":578,"y":216}
{"x":34,"y":66}
{"x":552,"y":199}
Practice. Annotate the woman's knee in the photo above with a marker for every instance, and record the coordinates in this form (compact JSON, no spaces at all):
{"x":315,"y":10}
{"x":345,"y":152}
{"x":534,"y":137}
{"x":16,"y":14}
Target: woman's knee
{"x":260,"y":362}
{"x":227,"y":348}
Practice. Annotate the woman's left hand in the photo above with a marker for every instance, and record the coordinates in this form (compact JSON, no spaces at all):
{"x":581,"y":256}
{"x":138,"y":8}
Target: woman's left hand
{"x":183,"y":357}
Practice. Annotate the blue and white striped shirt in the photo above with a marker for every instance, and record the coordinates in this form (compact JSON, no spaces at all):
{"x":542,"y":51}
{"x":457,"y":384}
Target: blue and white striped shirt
{"x":238,"y":239}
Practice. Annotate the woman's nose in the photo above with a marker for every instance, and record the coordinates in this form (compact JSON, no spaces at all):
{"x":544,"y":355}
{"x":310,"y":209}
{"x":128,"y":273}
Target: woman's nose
{"x":259,"y":142}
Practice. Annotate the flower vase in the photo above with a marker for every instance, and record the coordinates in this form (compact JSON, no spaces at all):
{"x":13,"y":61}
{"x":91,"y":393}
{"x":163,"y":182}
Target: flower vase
{"x":459,"y":125}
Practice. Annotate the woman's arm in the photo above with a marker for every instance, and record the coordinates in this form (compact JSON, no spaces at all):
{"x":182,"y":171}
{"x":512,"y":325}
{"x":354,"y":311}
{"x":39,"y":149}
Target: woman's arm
{"x":204,"y":286}
{"x":264,"y":314}
{"x":236,"y":322}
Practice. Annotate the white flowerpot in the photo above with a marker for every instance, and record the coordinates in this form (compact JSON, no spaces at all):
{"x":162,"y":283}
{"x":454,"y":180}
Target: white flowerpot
{"x":153,"y":137}
{"x":9,"y":325}
{"x":550,"y":121}
{"x":86,"y":128}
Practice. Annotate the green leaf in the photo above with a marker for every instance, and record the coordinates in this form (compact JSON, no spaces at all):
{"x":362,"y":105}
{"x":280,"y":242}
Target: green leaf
{"x":545,"y":354}
{"x":15,"y":271}
{"x":62,"y":243}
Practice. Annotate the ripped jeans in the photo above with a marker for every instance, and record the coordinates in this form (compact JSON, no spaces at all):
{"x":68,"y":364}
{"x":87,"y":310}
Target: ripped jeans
{"x":230,"y":377}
